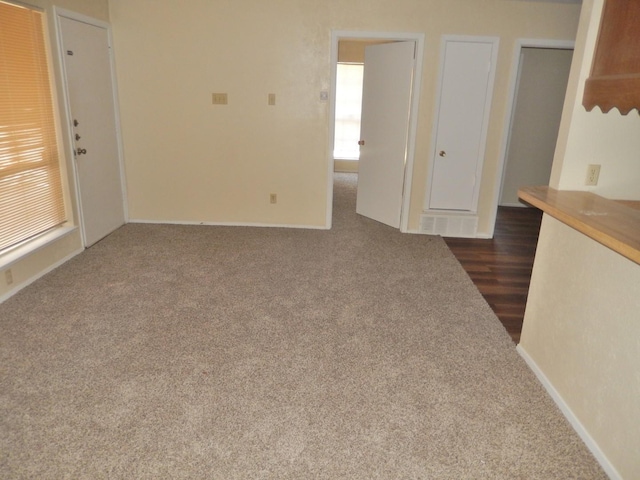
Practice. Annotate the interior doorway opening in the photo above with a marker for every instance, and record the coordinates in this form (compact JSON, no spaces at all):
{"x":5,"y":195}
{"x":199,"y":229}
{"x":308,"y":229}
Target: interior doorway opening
{"x":348,"y":102}
{"x":541,"y":86}
{"x":349,"y":78}
{"x":526,"y":158}
{"x":347,"y":159}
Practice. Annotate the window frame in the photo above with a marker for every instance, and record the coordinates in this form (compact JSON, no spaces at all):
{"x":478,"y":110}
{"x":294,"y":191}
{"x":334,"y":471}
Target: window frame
{"x":12,"y":254}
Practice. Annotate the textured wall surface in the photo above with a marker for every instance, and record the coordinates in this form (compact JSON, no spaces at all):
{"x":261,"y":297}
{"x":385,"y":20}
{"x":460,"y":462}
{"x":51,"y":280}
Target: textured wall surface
{"x":582,"y":323}
{"x":190,"y":161}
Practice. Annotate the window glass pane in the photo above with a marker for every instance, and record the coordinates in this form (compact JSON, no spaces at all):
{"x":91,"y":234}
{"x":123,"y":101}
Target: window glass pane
{"x":348,"y":111}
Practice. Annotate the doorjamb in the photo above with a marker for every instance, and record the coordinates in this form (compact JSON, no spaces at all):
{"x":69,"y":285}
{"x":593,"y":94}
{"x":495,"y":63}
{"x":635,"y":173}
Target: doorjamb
{"x":511,"y":100}
{"x":495,"y":41}
{"x":418,"y":38}
{"x":58,"y":13}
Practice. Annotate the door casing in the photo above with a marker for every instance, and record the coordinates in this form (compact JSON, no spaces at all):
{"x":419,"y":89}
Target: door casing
{"x":63,"y":13}
{"x":418,"y":38}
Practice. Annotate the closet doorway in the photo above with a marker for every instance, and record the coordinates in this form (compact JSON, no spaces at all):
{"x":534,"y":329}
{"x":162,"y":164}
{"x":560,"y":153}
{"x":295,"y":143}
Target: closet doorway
{"x":541,"y":86}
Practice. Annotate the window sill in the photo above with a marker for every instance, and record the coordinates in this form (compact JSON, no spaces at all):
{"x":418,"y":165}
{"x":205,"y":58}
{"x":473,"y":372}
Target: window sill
{"x":15,"y":254}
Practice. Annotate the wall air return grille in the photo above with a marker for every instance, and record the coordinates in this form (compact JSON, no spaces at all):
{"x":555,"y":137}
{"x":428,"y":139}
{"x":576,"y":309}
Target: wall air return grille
{"x":449,"y":225}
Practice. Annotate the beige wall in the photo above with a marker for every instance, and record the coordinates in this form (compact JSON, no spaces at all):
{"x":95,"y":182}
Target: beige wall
{"x":345,"y":166}
{"x":36,"y":263}
{"x":610,"y":139}
{"x":187,"y":160}
{"x":582,"y":322}
{"x":98,"y":9}
{"x":352,"y":51}
{"x":582,"y":329}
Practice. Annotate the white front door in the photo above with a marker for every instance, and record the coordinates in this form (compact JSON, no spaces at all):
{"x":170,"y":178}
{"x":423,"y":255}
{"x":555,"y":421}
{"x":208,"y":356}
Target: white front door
{"x":90,"y":92}
{"x":386,"y":102}
{"x":465,"y":94}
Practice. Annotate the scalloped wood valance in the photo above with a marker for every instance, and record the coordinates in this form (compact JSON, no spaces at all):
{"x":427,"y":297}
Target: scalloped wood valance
{"x":615,"y":74}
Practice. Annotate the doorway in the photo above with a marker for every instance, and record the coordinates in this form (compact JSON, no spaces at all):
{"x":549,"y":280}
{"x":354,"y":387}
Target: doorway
{"x":87,"y":62}
{"x":525,"y":159}
{"x":409,"y":142}
{"x":541,"y":86}
{"x":349,"y":82}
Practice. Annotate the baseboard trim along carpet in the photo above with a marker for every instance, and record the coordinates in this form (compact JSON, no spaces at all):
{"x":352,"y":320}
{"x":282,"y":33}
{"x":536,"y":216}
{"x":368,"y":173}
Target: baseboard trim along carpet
{"x":228,"y":224}
{"x":591,"y":444}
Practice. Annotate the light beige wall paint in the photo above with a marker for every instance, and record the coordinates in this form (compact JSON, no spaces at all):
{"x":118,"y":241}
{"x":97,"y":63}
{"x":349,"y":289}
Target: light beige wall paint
{"x":611,"y":140}
{"x":536,"y":119}
{"x":98,"y":9}
{"x":352,"y":51}
{"x":34,"y":264}
{"x":582,"y":326}
{"x":345,"y":166}
{"x":187,"y":160}
{"x":582,"y":329}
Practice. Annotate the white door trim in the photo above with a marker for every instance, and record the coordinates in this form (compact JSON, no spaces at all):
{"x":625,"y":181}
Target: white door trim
{"x":495,"y":41}
{"x":58,"y":14}
{"x":511,"y":98}
{"x":418,"y":38}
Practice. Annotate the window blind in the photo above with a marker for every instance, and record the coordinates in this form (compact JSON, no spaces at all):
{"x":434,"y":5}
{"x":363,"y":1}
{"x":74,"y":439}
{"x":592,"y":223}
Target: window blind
{"x":31,"y":199}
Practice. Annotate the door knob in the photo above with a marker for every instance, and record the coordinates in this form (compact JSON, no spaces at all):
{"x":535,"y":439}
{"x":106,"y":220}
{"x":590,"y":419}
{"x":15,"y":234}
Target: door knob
{"x":361,"y":142}
{"x":442,"y":153}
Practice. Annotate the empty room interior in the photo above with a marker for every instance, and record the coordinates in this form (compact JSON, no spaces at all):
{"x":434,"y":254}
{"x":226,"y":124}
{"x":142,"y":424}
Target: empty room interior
{"x":319,"y":239}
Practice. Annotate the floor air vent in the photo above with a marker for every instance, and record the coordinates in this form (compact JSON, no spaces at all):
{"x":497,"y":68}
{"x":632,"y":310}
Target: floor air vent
{"x":449,"y":225}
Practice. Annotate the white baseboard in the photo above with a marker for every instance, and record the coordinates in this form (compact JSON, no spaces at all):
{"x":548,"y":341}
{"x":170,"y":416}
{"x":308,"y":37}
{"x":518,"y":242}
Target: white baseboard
{"x":228,"y":224}
{"x":582,"y":432}
{"x":30,"y":280}
{"x":482,"y":236}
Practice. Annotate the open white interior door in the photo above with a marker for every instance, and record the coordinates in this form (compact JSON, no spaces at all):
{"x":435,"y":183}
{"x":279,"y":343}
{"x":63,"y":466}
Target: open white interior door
{"x":386,"y":102}
{"x":87,"y":62}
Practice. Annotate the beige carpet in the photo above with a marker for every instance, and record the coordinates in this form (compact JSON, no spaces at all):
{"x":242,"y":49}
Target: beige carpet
{"x":247,"y":353}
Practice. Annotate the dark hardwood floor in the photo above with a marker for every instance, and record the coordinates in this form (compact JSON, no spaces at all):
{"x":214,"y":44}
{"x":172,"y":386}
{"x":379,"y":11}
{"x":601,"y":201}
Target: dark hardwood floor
{"x":501,"y":267}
